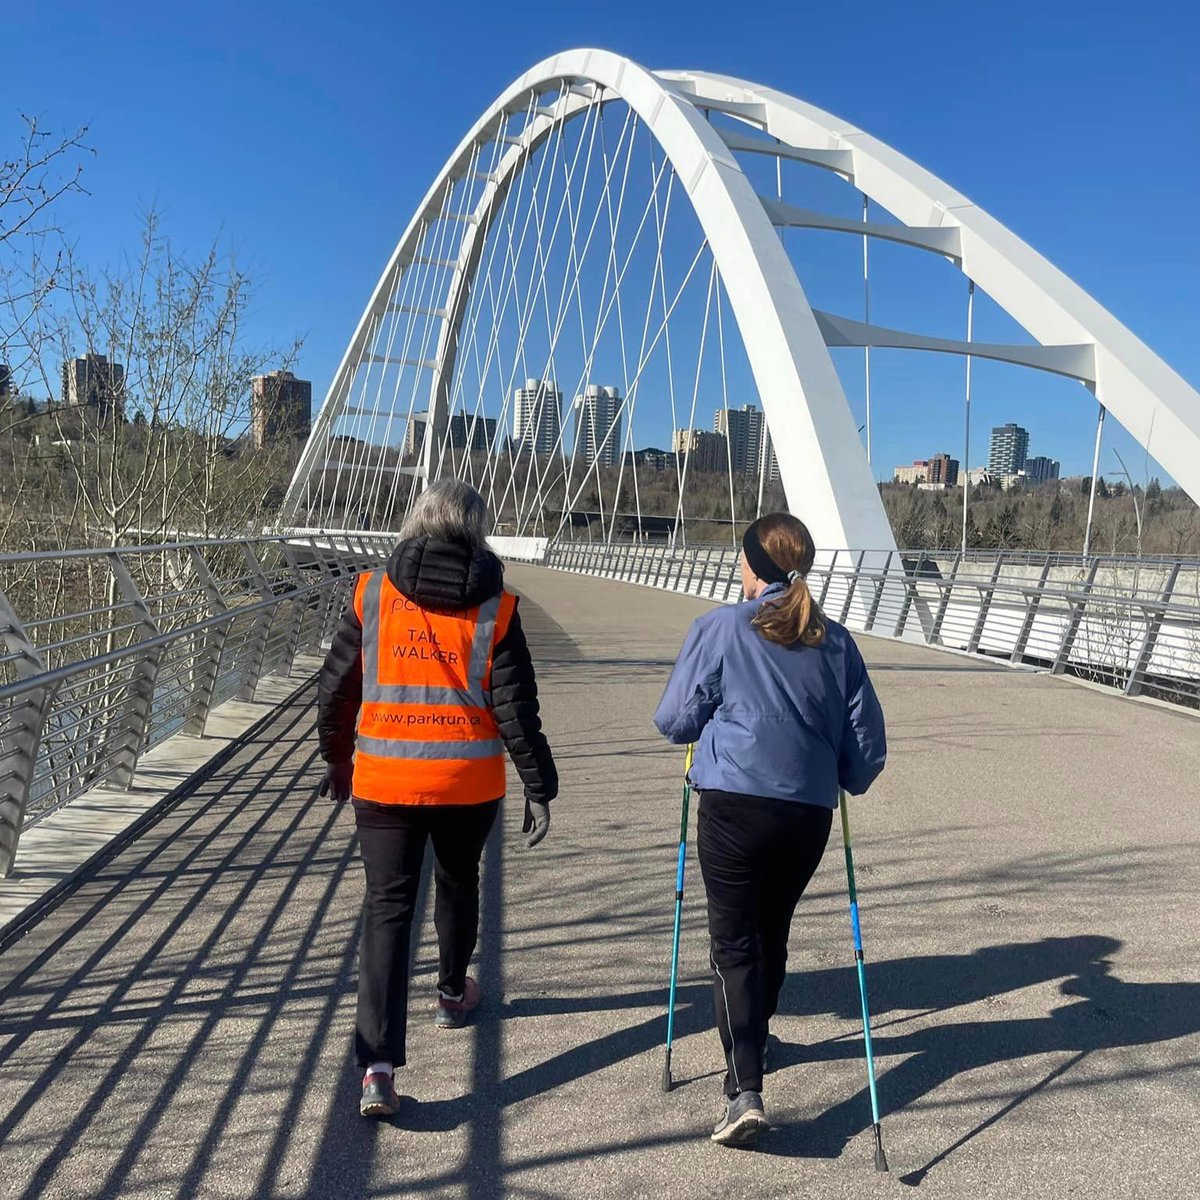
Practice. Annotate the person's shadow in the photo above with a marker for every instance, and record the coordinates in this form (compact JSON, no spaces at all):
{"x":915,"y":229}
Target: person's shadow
{"x":1102,"y":1012}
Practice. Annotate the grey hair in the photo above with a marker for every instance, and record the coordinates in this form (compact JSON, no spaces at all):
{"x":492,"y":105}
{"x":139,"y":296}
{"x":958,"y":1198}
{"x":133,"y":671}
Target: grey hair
{"x":449,"y":511}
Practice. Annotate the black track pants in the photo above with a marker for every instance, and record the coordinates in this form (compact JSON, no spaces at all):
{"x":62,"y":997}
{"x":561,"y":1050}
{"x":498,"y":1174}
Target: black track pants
{"x":393,"y":846}
{"x":757,"y":857}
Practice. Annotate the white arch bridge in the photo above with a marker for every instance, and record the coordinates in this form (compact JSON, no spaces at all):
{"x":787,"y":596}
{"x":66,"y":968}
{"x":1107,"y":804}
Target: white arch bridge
{"x":618,"y":242}
{"x":595,"y":305}
{"x":597,"y":315}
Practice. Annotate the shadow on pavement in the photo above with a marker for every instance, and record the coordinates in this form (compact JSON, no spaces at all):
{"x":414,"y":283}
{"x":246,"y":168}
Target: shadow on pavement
{"x":148,"y":1001}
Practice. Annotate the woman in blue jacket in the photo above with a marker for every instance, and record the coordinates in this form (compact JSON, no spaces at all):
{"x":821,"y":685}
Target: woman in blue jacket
{"x":777,"y":699}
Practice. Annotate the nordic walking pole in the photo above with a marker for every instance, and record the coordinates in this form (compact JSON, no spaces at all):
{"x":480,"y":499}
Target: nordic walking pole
{"x":881,"y":1163}
{"x":683,"y":828}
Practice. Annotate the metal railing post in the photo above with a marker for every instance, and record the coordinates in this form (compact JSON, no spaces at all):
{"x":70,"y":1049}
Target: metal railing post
{"x":22,"y":739}
{"x":329,"y":608}
{"x":826,"y":581}
{"x":1078,"y":607}
{"x":986,"y":592}
{"x":880,"y":583}
{"x":207,"y":656}
{"x":131,"y":733}
{"x":910,"y":592}
{"x":300,"y":610}
{"x":259,"y":639}
{"x":1154,"y":618}
{"x":854,"y":573}
{"x":730,"y":574}
{"x":310,"y":626}
{"x":1033,"y":598}
{"x":947,"y":586}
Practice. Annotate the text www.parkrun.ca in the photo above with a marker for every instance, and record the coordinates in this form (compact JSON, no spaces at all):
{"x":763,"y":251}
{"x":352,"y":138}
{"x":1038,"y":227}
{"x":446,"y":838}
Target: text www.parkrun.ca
{"x":451,"y":720}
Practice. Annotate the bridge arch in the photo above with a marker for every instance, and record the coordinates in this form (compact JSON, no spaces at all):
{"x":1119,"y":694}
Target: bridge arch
{"x":822,"y":465}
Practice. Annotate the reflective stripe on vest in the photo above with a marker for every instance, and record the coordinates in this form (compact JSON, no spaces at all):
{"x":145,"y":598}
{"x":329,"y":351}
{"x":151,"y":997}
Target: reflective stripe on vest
{"x":389,"y":748}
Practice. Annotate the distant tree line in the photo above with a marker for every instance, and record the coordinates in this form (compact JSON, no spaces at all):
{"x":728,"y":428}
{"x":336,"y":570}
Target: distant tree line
{"x":1049,"y":516}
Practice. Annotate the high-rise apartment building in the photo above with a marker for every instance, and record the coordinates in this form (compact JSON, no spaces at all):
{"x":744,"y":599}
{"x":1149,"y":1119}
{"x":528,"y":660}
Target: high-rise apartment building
{"x":467,"y":431}
{"x":749,"y":442}
{"x":463,"y":431}
{"x":414,"y":434}
{"x":1008,"y":449}
{"x":94,"y":382}
{"x":598,"y":426}
{"x":917,"y":473}
{"x":942,"y":471}
{"x":703,"y":450}
{"x":537,"y":416}
{"x":280,"y":408}
{"x":1041,"y":469}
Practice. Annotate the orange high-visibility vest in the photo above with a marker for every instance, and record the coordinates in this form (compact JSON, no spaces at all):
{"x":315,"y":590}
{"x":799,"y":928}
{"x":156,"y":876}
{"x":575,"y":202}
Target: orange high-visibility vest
{"x":426,"y":733}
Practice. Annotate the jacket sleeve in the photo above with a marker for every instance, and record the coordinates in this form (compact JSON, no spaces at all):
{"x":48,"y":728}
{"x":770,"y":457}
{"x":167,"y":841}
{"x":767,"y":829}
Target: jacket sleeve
{"x":515,"y":707}
{"x":339,"y":690}
{"x":693,"y":692}
{"x":864,"y":739}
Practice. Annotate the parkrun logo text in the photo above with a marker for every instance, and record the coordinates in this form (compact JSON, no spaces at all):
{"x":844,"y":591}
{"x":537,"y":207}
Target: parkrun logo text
{"x":445,"y":720}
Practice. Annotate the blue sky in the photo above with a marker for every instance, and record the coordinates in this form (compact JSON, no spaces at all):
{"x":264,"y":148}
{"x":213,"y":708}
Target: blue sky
{"x":306,"y":135}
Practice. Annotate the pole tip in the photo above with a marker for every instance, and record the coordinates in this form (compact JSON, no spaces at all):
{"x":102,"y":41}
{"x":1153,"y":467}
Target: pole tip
{"x":881,"y":1162}
{"x":666,"y":1078}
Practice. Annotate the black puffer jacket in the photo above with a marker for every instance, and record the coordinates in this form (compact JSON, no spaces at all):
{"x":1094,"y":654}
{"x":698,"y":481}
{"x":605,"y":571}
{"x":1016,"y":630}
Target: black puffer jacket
{"x":443,"y":577}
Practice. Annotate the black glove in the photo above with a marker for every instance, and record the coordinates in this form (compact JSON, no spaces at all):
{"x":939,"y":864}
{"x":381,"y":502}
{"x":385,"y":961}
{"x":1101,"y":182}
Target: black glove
{"x":537,"y":821}
{"x":339,"y":778}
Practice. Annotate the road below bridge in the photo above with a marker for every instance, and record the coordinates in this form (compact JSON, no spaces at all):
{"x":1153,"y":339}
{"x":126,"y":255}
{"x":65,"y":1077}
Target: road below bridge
{"x":179,"y":1025}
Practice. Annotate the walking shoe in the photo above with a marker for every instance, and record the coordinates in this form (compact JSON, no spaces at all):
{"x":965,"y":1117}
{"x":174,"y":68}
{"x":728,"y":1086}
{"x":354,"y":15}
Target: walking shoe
{"x":379,"y":1097}
{"x":743,"y":1121}
{"x":453,"y":1014}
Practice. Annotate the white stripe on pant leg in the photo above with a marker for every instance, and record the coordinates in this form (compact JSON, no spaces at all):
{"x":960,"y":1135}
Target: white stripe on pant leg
{"x":732,"y":1041}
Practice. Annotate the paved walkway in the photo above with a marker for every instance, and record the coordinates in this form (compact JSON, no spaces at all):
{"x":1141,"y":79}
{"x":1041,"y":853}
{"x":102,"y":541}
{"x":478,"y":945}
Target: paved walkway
{"x":178,"y":1026}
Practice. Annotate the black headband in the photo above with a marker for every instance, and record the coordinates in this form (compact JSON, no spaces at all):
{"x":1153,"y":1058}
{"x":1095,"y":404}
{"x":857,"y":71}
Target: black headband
{"x":761,"y":563}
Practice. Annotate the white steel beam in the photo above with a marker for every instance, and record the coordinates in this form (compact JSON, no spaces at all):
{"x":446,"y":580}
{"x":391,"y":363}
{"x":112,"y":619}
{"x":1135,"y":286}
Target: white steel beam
{"x":945,"y":240}
{"x":1076,"y":362}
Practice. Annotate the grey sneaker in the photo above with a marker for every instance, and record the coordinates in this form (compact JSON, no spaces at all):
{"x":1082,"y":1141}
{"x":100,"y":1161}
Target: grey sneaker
{"x":453,"y":1014}
{"x":379,"y":1097}
{"x":743,"y":1121}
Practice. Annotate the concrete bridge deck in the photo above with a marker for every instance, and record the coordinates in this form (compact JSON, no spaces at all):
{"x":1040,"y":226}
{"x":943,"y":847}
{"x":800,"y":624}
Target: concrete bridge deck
{"x":179,"y":1024}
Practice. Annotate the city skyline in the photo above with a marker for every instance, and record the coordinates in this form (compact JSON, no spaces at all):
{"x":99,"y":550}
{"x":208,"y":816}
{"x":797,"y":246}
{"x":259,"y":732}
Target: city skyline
{"x":1036,"y":186}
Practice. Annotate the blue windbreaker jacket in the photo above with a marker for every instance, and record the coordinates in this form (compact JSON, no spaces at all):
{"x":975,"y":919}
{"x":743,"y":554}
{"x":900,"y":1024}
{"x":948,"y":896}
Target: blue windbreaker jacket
{"x":787,"y":722}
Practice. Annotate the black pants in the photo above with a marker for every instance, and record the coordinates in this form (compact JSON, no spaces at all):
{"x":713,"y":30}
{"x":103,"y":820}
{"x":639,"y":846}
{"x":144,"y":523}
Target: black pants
{"x":392,"y":844}
{"x":757,"y":857}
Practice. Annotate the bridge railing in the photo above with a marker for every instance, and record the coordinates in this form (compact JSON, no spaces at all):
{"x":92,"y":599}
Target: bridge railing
{"x":106,"y":653}
{"x":1132,"y":625}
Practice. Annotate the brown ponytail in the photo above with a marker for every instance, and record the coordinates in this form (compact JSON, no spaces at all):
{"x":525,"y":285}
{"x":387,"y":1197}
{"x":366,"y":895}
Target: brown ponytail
{"x":794,"y":616}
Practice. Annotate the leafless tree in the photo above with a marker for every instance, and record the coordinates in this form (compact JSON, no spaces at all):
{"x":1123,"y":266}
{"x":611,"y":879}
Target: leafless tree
{"x":44,"y":167}
{"x":167,"y":453}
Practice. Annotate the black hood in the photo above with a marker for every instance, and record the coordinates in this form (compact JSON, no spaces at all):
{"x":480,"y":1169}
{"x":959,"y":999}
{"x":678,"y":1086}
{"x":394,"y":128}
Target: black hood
{"x":445,"y":576}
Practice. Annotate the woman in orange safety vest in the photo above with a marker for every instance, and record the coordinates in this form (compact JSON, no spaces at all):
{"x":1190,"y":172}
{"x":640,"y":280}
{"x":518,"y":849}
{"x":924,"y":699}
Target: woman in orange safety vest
{"x":428,"y":681}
